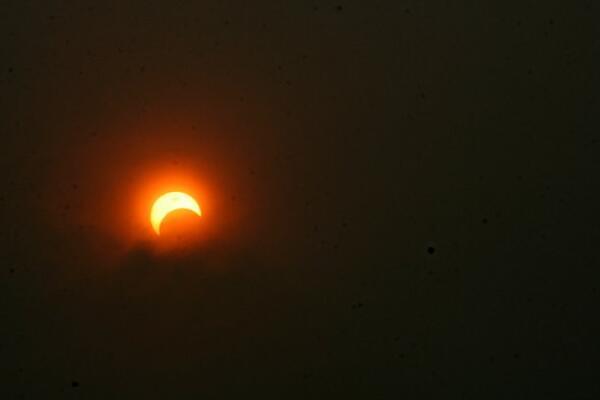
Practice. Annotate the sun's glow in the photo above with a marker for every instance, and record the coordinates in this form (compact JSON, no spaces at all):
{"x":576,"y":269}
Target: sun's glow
{"x":169,"y":202}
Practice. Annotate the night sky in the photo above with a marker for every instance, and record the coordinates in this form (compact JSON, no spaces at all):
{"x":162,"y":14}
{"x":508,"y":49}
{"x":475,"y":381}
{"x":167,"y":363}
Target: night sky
{"x":400,"y":199}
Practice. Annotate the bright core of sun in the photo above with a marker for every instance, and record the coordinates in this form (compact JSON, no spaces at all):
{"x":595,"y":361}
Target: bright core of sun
{"x":169,"y":202}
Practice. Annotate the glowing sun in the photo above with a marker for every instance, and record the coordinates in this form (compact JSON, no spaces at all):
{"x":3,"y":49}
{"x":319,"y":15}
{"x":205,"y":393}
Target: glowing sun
{"x":169,"y":202}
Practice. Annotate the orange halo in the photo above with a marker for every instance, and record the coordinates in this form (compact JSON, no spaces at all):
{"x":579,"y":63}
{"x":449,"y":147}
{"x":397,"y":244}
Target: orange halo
{"x":169,"y":202}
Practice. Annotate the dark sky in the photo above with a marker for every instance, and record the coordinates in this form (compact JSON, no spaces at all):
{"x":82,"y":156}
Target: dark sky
{"x":400,"y":197}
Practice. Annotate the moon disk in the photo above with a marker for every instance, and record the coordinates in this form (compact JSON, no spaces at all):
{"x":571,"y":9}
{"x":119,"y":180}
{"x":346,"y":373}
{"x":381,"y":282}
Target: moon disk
{"x":169,"y":202}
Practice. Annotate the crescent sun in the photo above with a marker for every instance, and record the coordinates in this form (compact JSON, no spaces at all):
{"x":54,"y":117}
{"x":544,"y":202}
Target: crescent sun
{"x":169,"y":202}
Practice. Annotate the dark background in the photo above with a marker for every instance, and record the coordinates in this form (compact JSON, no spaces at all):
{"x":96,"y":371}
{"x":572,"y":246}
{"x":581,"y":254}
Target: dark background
{"x":402,"y":199}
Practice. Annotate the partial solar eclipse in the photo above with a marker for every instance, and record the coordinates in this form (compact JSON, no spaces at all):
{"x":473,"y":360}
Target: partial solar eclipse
{"x":169,"y":202}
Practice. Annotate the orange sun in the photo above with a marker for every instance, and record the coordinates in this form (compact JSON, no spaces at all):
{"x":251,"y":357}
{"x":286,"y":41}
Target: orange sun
{"x":169,"y":202}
